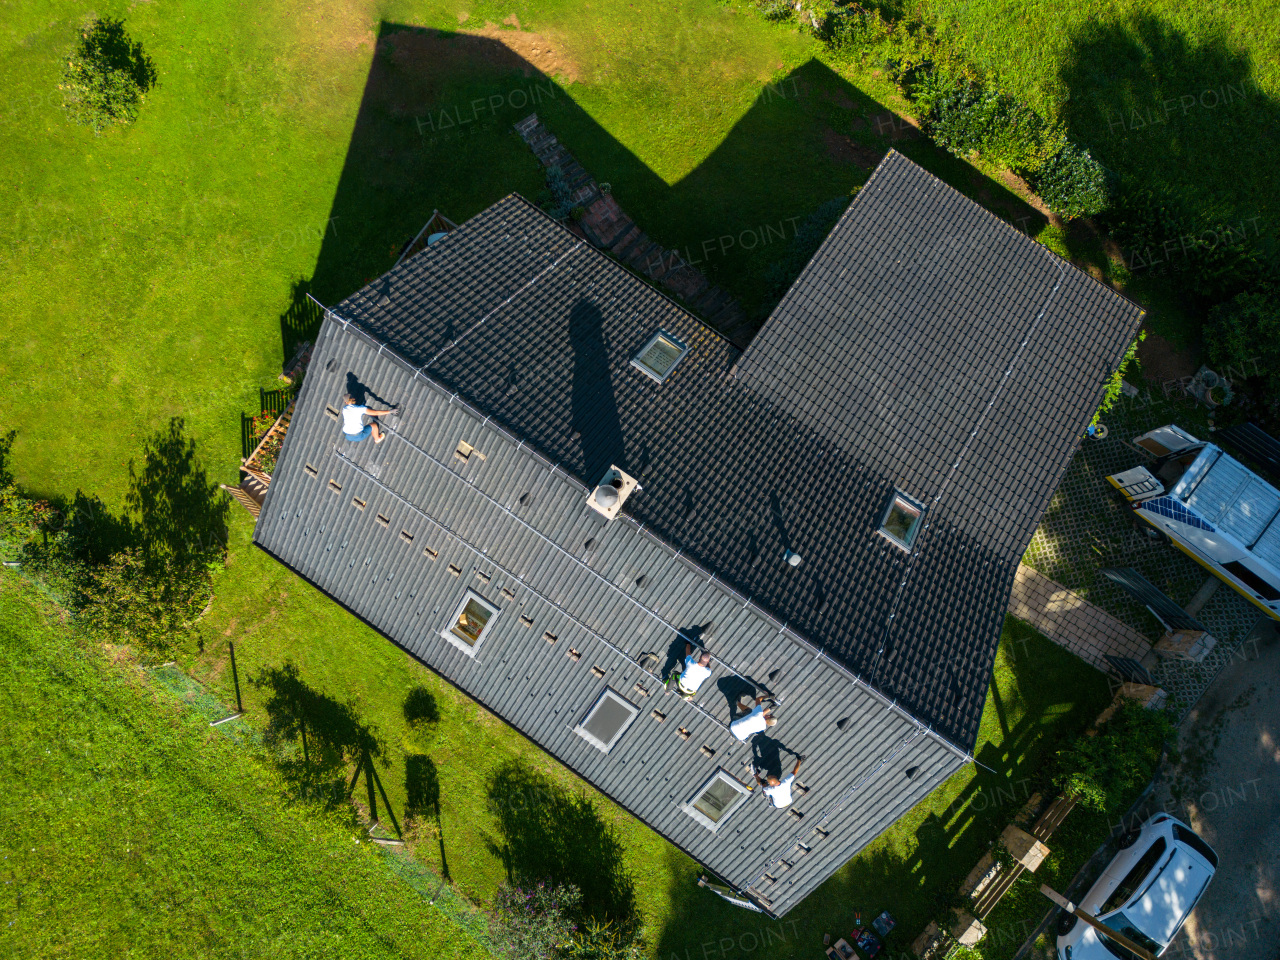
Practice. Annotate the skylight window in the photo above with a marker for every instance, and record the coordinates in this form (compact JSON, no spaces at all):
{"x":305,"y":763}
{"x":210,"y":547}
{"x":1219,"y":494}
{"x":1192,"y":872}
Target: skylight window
{"x":718,"y":798}
{"x":472,"y":619}
{"x":659,"y":356}
{"x":607,"y":720}
{"x":901,"y":522}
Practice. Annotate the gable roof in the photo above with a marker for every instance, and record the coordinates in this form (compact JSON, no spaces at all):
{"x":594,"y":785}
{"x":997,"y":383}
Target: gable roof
{"x":927,"y":346}
{"x":398,"y":532}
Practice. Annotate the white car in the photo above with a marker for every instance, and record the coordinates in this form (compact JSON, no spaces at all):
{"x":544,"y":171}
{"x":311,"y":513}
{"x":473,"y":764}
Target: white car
{"x":1146,"y":892}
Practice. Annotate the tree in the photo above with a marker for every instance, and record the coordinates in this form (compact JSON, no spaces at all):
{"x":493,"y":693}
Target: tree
{"x":1245,"y":329}
{"x":107,"y":76}
{"x":123,"y":601}
{"x":1103,"y":772}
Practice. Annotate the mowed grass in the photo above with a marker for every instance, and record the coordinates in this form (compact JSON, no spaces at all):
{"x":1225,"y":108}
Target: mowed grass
{"x":1182,"y":99}
{"x":1039,"y":695}
{"x":131,"y":829}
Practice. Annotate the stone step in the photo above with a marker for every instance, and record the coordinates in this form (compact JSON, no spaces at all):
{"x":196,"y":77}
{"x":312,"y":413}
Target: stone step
{"x":728,"y":313}
{"x":641,"y":255}
{"x":527,"y":124}
{"x":710,"y":300}
{"x":686,"y":282}
{"x":624,"y":238}
{"x":542,"y":139}
{"x":660,"y":265}
{"x":624,"y":250}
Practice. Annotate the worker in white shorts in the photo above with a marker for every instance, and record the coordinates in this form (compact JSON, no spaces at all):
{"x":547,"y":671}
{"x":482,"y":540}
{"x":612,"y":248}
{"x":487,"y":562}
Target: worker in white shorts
{"x":697,"y":668}
{"x":755,"y":718}
{"x":779,"y":791}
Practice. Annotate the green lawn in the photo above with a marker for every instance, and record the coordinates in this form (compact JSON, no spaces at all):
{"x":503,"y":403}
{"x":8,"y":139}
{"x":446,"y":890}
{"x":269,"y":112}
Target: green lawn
{"x":159,"y":270}
{"x":132,"y":830}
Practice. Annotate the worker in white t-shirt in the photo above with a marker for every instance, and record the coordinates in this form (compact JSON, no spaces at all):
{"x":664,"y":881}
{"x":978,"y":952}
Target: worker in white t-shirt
{"x":779,"y":791}
{"x":354,"y":428}
{"x":697,"y":667}
{"x":755,"y":718}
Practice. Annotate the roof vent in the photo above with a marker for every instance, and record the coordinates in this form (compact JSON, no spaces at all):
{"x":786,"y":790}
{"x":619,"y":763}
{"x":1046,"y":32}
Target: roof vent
{"x":793,"y":559}
{"x":612,"y":492}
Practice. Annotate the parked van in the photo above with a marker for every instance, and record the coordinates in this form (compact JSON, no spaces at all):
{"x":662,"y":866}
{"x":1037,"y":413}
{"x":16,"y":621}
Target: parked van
{"x":1213,"y":509}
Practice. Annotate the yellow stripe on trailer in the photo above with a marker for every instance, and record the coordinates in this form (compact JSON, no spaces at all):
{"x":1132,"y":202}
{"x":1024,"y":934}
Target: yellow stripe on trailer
{"x":1208,"y":565}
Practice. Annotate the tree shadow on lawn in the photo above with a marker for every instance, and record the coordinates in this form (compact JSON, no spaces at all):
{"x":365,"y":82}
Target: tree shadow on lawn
{"x":435,"y":131}
{"x":174,"y":515}
{"x":315,"y":738}
{"x":422,"y":802}
{"x":548,"y":832}
{"x":1181,"y":117}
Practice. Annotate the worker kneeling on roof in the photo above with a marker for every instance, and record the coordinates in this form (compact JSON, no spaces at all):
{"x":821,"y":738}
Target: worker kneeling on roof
{"x":755,"y":718}
{"x":354,"y":427}
{"x":779,"y":791}
{"x":697,"y":667}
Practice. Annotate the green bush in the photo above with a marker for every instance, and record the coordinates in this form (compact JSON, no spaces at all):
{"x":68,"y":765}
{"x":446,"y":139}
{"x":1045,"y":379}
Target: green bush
{"x":968,"y":118}
{"x":1158,"y":236}
{"x":107,"y":76}
{"x":850,"y":28}
{"x":142,"y":577}
{"x":128,"y":600}
{"x":17,"y":512}
{"x":776,"y":11}
{"x":535,"y":923}
{"x":1072,"y":183}
{"x":1115,"y":381}
{"x":1244,"y":329}
{"x":598,"y":940}
{"x":1102,"y":770}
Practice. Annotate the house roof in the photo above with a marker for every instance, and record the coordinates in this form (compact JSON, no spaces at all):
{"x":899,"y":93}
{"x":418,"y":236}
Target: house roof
{"x":515,"y":528}
{"x":927,"y":347}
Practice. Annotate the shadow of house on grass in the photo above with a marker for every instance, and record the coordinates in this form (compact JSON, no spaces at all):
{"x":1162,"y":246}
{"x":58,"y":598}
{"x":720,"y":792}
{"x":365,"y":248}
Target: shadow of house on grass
{"x":547,"y":832}
{"x":435,"y":131}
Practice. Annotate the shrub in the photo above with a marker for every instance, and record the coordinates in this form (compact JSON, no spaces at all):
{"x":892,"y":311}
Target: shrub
{"x":1244,"y":329}
{"x":1105,"y":771}
{"x":1073,"y":184}
{"x":967,"y":117}
{"x":128,"y":600}
{"x":1114,"y":382}
{"x":535,"y":923}
{"x":603,"y":941}
{"x":776,"y":11}
{"x":851,"y":28}
{"x":1158,"y":235}
{"x":107,"y":76}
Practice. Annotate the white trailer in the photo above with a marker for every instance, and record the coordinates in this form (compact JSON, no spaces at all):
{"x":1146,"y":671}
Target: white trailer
{"x":1213,"y":509}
